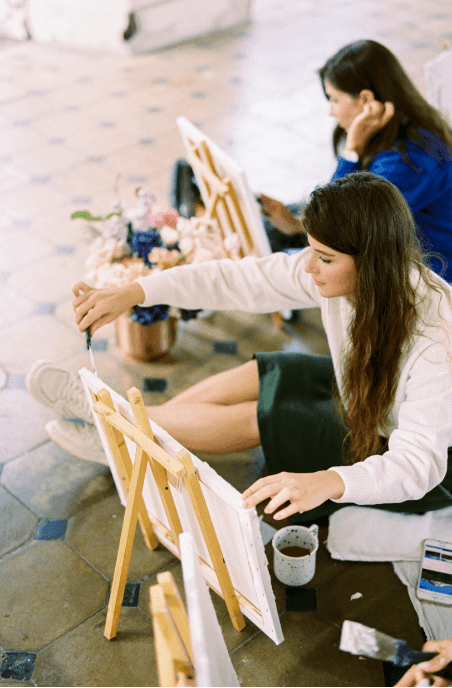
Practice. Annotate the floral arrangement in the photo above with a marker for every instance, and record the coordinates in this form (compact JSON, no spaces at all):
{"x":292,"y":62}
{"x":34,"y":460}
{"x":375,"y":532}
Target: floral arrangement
{"x":142,"y":240}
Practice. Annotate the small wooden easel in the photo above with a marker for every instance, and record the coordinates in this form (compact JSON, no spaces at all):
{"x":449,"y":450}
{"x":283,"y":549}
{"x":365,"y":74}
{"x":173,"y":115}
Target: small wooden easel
{"x":166,"y":470}
{"x":175,"y":661}
{"x":223,"y":205}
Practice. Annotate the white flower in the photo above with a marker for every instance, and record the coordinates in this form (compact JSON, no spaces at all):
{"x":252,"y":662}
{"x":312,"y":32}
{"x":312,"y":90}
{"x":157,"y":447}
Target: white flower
{"x":169,"y":235}
{"x":232,"y":243}
{"x":186,"y":245}
{"x":202,"y":255}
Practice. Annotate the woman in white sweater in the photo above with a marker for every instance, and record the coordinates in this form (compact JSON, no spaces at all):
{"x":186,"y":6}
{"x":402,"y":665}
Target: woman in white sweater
{"x":373,"y":424}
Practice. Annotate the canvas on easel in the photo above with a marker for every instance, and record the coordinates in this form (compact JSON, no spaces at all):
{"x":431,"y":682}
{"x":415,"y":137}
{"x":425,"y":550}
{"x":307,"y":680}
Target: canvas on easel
{"x":236,"y":528}
{"x":190,"y":648}
{"x":225,"y":191}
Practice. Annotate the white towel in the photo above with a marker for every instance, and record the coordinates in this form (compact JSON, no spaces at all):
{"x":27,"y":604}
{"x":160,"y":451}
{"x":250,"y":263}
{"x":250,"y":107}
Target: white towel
{"x":359,"y":533}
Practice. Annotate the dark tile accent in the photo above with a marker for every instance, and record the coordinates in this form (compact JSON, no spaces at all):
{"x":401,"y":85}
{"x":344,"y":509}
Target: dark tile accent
{"x":146,"y":142}
{"x":43,"y":309}
{"x":299,"y":599}
{"x":15,"y":382}
{"x":107,"y":125}
{"x":131,"y":595}
{"x":154,"y":384}
{"x":99,"y":344}
{"x":419,"y":46}
{"x":240,"y":56}
{"x":236,"y":80}
{"x":137,"y":180}
{"x":65,"y":250}
{"x":198,"y":94}
{"x":38,"y":179}
{"x":56,"y":142}
{"x":22,"y":123}
{"x":160,"y":80}
{"x":96,"y":158}
{"x":51,"y":529}
{"x":438,"y":16}
{"x":21,"y":222}
{"x":81,"y":199}
{"x":154,"y":108}
{"x":18,"y":666}
{"x":225,"y":348}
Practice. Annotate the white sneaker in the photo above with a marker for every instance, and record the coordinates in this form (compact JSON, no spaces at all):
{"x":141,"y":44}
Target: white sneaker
{"x":59,"y":389}
{"x":79,"y":439}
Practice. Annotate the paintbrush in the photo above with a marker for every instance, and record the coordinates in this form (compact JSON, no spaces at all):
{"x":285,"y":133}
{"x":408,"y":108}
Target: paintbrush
{"x":88,"y":346}
{"x":362,"y":640}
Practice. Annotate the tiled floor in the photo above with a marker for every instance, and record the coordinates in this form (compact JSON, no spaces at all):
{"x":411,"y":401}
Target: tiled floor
{"x":73,"y":128}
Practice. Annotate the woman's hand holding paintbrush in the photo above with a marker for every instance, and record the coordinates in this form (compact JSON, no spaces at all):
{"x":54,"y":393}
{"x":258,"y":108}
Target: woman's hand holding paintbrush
{"x":427,"y":670}
{"x":435,"y":657}
{"x":96,"y":307}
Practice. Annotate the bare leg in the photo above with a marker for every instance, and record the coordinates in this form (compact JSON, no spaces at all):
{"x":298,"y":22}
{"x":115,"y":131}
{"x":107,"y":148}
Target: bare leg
{"x":217,"y":415}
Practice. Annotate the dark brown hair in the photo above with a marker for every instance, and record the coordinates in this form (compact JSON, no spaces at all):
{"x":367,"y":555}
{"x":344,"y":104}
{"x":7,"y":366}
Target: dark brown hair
{"x":365,"y":216}
{"x":369,"y":65}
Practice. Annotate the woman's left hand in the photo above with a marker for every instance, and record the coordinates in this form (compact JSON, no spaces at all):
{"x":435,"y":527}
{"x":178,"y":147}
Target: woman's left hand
{"x":373,"y":118}
{"x":304,"y":491}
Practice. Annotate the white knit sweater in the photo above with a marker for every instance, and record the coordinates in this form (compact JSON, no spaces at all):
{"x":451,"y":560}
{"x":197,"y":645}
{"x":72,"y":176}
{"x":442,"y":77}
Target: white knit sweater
{"x":420,"y":423}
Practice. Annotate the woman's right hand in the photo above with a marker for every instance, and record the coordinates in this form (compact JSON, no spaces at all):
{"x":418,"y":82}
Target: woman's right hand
{"x":425,"y":670}
{"x":96,"y":307}
{"x":373,"y":118}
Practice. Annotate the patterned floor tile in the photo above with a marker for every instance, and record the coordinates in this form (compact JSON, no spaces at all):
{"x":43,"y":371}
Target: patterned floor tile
{"x":17,"y":523}
{"x":36,"y":613}
{"x":54,"y":484}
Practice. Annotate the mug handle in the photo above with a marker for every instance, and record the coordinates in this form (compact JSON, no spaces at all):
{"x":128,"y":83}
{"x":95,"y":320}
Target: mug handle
{"x":314,"y":529}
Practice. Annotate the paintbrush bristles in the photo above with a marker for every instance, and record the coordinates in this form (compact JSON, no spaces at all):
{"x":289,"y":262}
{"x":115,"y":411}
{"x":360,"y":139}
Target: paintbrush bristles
{"x":362,"y":640}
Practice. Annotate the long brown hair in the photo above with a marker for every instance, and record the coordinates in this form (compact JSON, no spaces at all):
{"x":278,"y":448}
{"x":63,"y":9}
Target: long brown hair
{"x":369,"y":65}
{"x":365,"y":216}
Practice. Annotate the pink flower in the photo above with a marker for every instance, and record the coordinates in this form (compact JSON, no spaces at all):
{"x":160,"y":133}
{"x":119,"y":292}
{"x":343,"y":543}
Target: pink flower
{"x":162,"y":218}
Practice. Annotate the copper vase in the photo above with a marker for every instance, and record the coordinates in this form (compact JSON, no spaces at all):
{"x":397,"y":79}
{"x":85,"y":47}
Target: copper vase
{"x":145,"y":342}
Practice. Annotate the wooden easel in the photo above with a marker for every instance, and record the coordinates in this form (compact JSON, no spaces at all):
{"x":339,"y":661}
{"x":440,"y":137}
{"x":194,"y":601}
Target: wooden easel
{"x":175,"y":662}
{"x":166,"y":470}
{"x":223,"y":205}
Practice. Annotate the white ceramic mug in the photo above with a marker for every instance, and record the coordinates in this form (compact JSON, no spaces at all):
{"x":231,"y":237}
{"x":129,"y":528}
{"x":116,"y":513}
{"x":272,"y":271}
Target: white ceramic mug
{"x":295,"y":570}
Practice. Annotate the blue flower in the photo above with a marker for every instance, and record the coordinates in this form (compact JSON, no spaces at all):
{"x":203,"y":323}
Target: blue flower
{"x":150,"y":314}
{"x":142,"y":243}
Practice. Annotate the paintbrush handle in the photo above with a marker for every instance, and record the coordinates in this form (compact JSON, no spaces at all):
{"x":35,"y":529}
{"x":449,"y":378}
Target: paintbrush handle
{"x":410,"y":656}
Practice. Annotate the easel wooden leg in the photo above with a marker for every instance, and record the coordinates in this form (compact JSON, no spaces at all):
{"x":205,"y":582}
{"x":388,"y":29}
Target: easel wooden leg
{"x":200,"y":507}
{"x":124,"y":465}
{"x":126,"y":544}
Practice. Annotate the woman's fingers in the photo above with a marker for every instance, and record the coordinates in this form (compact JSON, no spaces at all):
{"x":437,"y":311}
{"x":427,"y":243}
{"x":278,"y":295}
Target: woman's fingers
{"x":278,"y":500}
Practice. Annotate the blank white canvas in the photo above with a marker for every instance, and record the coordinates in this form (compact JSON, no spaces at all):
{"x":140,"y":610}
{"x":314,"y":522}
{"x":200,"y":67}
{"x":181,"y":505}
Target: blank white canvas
{"x":237,"y":528}
{"x":438,"y":76}
{"x":225,"y":166}
{"x":213,"y":665}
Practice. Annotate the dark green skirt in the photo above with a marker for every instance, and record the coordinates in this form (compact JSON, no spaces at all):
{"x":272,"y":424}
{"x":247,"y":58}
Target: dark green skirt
{"x":301,"y":432}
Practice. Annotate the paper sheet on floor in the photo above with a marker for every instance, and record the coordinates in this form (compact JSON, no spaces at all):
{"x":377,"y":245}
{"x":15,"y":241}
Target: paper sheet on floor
{"x":398,"y":538}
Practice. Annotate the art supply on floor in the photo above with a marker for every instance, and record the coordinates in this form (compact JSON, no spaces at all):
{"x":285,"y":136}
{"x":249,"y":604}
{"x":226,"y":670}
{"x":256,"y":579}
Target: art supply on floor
{"x":294,"y":554}
{"x":362,"y":640}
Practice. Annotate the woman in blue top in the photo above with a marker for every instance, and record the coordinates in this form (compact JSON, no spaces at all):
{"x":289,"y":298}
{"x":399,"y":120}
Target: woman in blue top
{"x":384,"y":125}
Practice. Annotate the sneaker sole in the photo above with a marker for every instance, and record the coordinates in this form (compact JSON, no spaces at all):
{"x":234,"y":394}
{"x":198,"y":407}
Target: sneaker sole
{"x":94,"y":455}
{"x":31,"y":383}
